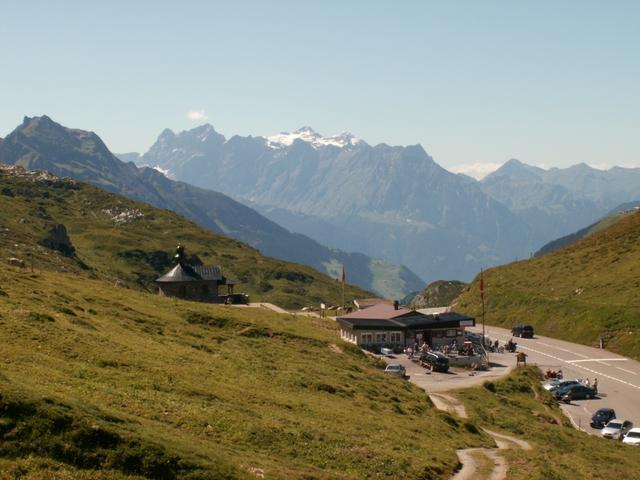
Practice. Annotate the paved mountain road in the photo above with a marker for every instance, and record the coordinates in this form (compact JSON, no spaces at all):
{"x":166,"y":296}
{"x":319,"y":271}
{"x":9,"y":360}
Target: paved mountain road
{"x":618,"y":376}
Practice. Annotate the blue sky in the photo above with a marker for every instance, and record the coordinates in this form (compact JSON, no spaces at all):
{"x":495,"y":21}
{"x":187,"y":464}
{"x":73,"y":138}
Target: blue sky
{"x":549,"y":82}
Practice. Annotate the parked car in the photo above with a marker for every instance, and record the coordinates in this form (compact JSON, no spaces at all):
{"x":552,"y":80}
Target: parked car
{"x":616,"y":429}
{"x":555,"y":384}
{"x":436,"y":361}
{"x":578,"y":392}
{"x":522,"y":331}
{"x":602,"y":417}
{"x":387,"y":352}
{"x":632,"y":437}
{"x":396,"y":369}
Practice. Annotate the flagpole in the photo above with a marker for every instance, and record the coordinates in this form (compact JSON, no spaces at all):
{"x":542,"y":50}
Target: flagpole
{"x":343,"y":280}
{"x":482,"y":298}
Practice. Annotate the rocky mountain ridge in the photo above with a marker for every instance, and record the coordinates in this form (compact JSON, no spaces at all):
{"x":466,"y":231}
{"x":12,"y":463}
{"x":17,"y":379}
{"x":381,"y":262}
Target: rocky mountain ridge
{"x":394,"y":201}
{"x":40,"y":143}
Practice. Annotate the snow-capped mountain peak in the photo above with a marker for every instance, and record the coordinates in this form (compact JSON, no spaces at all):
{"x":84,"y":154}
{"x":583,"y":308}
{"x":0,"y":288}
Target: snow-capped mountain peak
{"x":309,"y":135}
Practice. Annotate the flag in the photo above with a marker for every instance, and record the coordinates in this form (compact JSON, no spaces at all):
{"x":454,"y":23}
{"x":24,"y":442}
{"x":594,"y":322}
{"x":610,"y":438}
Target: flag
{"x":481,"y":286}
{"x":342,"y":278}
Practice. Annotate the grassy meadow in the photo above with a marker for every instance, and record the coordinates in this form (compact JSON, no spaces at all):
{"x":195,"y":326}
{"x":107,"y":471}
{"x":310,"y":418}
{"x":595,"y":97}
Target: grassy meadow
{"x":111,"y":381}
{"x":518,"y":406}
{"x":131,"y":243}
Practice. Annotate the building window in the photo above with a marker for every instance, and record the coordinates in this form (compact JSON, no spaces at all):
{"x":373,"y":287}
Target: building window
{"x":182,"y":291}
{"x":395,"y":337}
{"x":381,"y":338}
{"x":451,"y":333}
{"x":205,"y":290}
{"x":367,"y":338}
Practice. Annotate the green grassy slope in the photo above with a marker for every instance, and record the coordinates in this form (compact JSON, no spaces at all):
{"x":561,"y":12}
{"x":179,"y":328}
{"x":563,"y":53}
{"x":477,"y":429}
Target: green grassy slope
{"x":577,"y":293}
{"x":134,"y":251}
{"x":518,"y":406}
{"x":101,"y":382}
{"x":601,"y":224}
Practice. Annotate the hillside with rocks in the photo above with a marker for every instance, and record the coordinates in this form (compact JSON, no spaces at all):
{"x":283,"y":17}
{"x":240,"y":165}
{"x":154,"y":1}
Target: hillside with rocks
{"x":40,"y":143}
{"x":64,"y":225}
{"x":103,"y":378}
{"x":440,"y":293}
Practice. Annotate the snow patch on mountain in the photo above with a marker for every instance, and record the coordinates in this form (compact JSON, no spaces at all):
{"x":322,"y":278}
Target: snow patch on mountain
{"x":165,"y":171}
{"x":309,"y":135}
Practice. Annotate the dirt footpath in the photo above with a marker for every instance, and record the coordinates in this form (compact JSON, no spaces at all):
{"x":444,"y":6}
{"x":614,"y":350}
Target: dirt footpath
{"x":477,"y":463}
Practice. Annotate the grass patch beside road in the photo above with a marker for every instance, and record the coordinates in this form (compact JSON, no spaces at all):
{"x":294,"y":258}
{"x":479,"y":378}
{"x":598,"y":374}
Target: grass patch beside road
{"x":518,"y":406}
{"x":107,"y":382}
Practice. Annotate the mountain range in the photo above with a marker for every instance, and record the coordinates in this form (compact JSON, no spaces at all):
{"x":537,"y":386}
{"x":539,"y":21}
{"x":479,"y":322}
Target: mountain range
{"x":341,"y":191}
{"x":559,"y":201}
{"x":39,"y":143}
{"x":393,"y":202}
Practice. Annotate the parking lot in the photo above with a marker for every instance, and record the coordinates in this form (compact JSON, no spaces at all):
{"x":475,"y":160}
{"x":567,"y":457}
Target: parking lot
{"x":618,"y":377}
{"x":618,"y":385}
{"x":456,"y":377}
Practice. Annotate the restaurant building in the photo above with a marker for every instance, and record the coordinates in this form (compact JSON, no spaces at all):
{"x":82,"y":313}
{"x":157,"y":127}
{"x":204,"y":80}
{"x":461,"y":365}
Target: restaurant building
{"x":393,"y":326}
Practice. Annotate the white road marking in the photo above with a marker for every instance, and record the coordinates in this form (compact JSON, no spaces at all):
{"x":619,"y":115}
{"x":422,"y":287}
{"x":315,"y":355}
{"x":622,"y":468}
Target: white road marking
{"x":576,"y":363}
{"x":562,"y":349}
{"x":573,"y":363}
{"x":573,"y":422}
{"x":598,"y":360}
{"x":625,"y":370}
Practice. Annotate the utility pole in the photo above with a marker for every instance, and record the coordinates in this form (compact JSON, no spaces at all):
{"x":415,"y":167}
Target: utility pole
{"x":482,"y":298}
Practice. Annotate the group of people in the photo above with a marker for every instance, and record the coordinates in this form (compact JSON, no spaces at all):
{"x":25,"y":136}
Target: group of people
{"x":416,"y":349}
{"x":495,"y":346}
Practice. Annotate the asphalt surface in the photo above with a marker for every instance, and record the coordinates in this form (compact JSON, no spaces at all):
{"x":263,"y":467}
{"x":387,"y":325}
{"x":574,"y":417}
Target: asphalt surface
{"x":618,"y":376}
{"x":437,"y":382}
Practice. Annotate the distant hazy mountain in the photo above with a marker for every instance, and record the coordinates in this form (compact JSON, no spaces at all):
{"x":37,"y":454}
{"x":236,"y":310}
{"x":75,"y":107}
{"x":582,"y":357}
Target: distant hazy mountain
{"x":581,"y":293}
{"x":615,"y":216}
{"x":40,"y":143}
{"x":390,"y":202}
{"x":558,"y":201}
{"x":129,"y":157}
{"x":440,"y":293}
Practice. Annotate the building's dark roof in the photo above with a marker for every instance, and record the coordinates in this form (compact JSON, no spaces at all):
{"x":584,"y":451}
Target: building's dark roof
{"x":187,"y":273}
{"x":380,"y":311}
{"x":370,"y":324}
{"x":404,"y":321}
{"x":208,"y":273}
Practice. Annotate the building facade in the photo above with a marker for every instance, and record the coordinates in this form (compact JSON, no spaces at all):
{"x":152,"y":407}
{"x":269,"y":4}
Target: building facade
{"x":197,"y":282}
{"x":392,"y":326}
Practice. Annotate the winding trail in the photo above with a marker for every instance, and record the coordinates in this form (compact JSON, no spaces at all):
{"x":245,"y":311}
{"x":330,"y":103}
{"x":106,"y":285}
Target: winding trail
{"x":467,"y":456}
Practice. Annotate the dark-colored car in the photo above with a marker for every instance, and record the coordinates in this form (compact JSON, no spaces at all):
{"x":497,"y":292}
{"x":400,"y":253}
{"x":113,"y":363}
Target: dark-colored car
{"x":578,"y":392}
{"x":436,"y":361}
{"x":602,"y":417}
{"x":522,"y":331}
